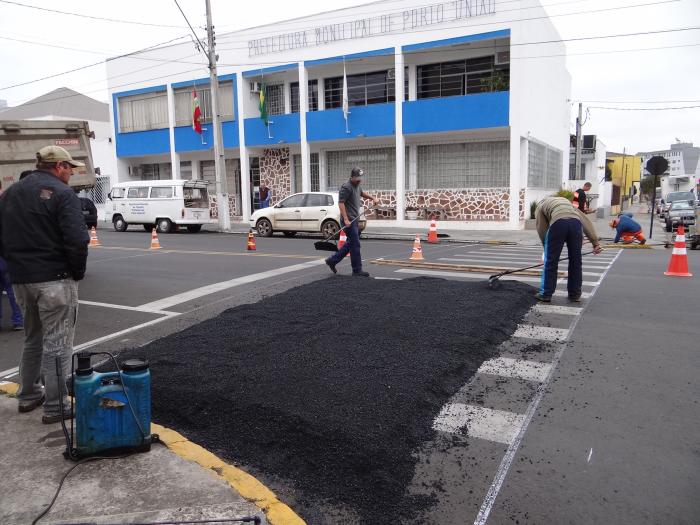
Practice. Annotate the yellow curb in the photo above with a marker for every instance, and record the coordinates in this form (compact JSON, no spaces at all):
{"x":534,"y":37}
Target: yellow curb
{"x":247,"y":486}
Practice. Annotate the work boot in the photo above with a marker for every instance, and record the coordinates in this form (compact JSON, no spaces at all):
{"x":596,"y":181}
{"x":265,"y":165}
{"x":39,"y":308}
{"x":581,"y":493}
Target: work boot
{"x":28,"y":406}
{"x":543,"y":298}
{"x":17,"y":327}
{"x":56,"y":418}
{"x":360,"y":274}
{"x":574,"y":298}
{"x":331,"y":265}
{"x":643,"y":241}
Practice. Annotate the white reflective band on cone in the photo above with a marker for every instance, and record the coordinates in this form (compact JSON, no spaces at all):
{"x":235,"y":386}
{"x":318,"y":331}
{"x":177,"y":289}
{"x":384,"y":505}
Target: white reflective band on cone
{"x":680,"y":238}
{"x":679,"y":251}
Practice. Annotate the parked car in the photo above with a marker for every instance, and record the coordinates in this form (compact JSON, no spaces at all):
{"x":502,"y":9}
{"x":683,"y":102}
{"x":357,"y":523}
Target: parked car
{"x":89,"y":212}
{"x":674,"y":196}
{"x":680,"y":212}
{"x":302,"y":212}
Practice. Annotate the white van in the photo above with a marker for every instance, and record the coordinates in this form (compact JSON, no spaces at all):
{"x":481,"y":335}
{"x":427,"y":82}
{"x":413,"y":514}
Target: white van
{"x":165,"y":204}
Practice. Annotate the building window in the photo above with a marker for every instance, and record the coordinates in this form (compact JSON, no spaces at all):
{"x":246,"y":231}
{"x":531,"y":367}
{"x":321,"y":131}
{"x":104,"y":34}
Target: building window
{"x":464,"y":165}
{"x":274,"y":95}
{"x":312,"y":95}
{"x":143,"y":112}
{"x":363,"y":89}
{"x":183,"y":103}
{"x":462,"y":77}
{"x":315,"y":179}
{"x":572,"y":172}
{"x":379,"y":165}
{"x":544,"y":166}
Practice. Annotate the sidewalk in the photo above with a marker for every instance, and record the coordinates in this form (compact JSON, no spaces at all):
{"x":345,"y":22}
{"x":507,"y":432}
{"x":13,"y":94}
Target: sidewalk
{"x":154,"y":486}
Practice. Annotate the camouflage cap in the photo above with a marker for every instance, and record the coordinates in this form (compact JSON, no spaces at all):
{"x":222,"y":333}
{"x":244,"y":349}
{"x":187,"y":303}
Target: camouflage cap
{"x":57,"y":154}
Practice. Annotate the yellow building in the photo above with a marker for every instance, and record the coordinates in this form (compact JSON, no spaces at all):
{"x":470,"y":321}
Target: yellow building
{"x":626,"y":172}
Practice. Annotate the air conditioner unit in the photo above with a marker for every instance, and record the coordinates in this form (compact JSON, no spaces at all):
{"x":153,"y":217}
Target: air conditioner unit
{"x":502,"y":57}
{"x":255,"y":87}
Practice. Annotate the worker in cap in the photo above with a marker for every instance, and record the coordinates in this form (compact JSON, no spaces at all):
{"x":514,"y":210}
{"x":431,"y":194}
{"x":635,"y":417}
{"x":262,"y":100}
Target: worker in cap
{"x":350,"y":203}
{"x":628,"y":230}
{"x":44,"y":240}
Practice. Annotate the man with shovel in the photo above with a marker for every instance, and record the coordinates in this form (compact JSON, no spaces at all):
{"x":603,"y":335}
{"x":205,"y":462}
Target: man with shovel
{"x":349,"y":202}
{"x":559,"y":223}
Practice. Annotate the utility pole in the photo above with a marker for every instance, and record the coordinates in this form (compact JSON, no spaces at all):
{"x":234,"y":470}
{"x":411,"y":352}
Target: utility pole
{"x":578,"y":141}
{"x":623,"y":176}
{"x":219,"y":161}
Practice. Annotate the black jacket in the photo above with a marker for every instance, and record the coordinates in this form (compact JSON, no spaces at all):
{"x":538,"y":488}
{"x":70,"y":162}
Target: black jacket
{"x":42,"y":231}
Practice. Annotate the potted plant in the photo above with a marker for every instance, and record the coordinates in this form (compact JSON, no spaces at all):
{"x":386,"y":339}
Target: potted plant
{"x":411,"y":213}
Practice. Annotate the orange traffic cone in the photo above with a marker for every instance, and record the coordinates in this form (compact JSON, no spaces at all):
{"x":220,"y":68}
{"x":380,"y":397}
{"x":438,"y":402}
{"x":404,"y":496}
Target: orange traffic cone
{"x":417,"y":254}
{"x":155,"y":244}
{"x":678,"y":266}
{"x":94,"y":241}
{"x":432,"y":233}
{"x":251,"y":242}
{"x":342,"y":239}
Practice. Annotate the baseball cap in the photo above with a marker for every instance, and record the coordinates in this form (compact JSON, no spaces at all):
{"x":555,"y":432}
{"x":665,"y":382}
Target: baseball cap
{"x":57,"y":154}
{"x":357,"y":172}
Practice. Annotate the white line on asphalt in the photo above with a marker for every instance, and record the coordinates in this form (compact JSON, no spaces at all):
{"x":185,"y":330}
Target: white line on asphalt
{"x":520,"y":368}
{"x":514,"y":446}
{"x":564,"y":254}
{"x":480,"y":422}
{"x":114,"y":335}
{"x":562,"y":293}
{"x":132,"y":308}
{"x":554,"y":309}
{"x":168,"y":302}
{"x":592,"y":274}
{"x":529,"y":262}
{"x":6,"y":373}
{"x":542,"y":333}
{"x":475,"y":275}
{"x":389,"y":278}
{"x":590,"y":453}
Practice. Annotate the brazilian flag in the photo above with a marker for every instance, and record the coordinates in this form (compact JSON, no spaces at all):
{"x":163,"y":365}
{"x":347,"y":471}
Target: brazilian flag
{"x":262,"y":104}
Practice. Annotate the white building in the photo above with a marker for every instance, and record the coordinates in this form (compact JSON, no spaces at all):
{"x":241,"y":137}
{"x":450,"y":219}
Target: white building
{"x":683,"y":172}
{"x":478,"y":131}
{"x":593,"y":155}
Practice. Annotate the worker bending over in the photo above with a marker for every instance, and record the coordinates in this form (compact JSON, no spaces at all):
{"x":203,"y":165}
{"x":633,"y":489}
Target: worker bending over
{"x":559,"y":223}
{"x":627,"y":229}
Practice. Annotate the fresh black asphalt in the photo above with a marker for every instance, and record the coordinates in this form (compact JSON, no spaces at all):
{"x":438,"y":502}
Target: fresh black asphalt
{"x":328,"y":389}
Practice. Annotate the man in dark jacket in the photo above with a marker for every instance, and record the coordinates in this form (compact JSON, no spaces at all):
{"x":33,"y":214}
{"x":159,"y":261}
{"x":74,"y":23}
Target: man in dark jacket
{"x":44,"y":240}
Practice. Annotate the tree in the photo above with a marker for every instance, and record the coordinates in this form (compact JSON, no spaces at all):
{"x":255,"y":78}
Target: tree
{"x":647,"y":185}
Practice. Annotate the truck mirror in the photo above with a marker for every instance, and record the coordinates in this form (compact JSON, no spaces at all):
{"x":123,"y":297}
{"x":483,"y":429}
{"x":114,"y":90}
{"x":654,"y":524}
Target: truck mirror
{"x":109,"y":195}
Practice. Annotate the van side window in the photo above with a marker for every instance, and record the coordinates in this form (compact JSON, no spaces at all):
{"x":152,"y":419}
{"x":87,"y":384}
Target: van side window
{"x":162,"y":192}
{"x":138,"y":193}
{"x":118,"y":193}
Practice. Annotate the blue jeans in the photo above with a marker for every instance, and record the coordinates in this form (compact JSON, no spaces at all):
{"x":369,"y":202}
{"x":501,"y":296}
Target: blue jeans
{"x":569,"y":232}
{"x":352,"y":246}
{"x":6,"y":285}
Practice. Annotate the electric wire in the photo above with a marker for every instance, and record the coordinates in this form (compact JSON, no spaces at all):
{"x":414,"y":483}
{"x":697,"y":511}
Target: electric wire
{"x":203,"y":48}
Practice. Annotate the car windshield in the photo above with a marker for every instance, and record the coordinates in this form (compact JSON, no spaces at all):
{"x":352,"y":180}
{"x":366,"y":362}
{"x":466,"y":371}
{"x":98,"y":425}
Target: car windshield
{"x":681,"y":206}
{"x":680,"y":196}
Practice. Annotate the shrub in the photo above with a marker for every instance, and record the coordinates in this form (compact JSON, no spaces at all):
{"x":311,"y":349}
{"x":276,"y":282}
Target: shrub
{"x":565,"y":193}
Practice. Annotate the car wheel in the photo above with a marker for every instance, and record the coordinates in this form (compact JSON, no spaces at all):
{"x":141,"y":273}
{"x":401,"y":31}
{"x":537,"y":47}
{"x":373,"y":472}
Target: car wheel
{"x":194,"y":228}
{"x":164,"y":225}
{"x":120,"y":224}
{"x":148,"y":227}
{"x":694,"y":246}
{"x":264,"y":227}
{"x":289,"y":234}
{"x":330,"y":228}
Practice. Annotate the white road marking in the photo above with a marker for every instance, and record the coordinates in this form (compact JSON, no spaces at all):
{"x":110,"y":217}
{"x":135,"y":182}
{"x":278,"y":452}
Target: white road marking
{"x":562,"y":293}
{"x":542,"y":333}
{"x":530,"y":262}
{"x":482,"y":251}
{"x":591,"y":274}
{"x":480,"y":422}
{"x":168,"y":302}
{"x":590,"y":453}
{"x":131,"y":308}
{"x":476,"y":275}
{"x":8,"y":372}
{"x":543,"y":308}
{"x":519,"y":368}
{"x":114,"y":335}
{"x":389,"y":278}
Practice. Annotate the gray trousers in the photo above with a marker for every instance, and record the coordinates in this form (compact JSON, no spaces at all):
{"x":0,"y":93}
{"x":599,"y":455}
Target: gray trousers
{"x":50,"y":314}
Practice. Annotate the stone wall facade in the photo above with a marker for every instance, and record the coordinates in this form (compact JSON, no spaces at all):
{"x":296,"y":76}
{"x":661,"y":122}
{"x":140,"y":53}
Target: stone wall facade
{"x":276,"y":172}
{"x":478,"y":204}
{"x":233,"y":207}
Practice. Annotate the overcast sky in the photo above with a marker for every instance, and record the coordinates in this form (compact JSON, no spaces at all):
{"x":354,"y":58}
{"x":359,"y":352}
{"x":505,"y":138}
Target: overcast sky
{"x":614,"y":72}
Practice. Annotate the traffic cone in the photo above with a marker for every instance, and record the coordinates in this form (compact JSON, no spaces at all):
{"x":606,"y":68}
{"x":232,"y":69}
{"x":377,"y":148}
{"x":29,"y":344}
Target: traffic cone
{"x":417,"y":254}
{"x":678,"y":266}
{"x":250,"y":246}
{"x":94,"y":241}
{"x":342,"y":239}
{"x":432,"y":233}
{"x":155,"y":243}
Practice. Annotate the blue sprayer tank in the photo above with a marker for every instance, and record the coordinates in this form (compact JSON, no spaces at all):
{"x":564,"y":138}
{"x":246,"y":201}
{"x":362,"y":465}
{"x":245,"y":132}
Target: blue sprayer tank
{"x":104,"y":422}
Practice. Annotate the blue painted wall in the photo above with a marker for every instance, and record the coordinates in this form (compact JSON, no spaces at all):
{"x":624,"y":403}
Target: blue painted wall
{"x":482,"y":110}
{"x":284,"y":128}
{"x":376,"y":120}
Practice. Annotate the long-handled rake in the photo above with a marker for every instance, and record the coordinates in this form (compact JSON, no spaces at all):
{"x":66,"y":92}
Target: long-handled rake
{"x":326,"y":245}
{"x":495,"y":284}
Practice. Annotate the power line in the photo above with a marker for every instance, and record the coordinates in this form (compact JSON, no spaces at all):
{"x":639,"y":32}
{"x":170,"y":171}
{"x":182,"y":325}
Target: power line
{"x":80,"y":15}
{"x":203,"y":48}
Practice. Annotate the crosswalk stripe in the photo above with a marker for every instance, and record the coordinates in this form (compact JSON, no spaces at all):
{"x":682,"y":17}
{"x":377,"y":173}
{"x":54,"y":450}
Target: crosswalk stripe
{"x":601,"y":266}
{"x":542,"y":333}
{"x":554,"y":309}
{"x":519,"y":368}
{"x":465,"y":275}
{"x":480,"y":422}
{"x":562,"y":293}
{"x":448,"y":259}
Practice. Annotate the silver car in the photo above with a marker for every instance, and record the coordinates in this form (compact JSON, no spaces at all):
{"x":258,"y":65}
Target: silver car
{"x":680,"y":212}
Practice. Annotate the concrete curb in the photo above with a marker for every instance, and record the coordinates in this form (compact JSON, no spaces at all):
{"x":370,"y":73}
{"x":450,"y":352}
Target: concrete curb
{"x":247,"y":486}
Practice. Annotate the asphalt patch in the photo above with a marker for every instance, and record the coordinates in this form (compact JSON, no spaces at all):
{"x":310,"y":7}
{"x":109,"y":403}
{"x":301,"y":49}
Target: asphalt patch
{"x":333,"y":386}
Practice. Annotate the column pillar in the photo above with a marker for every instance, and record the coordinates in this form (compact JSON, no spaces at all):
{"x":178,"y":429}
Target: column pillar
{"x":245,"y":166}
{"x":303,"y":108}
{"x":400,"y":142}
{"x":174,"y":156}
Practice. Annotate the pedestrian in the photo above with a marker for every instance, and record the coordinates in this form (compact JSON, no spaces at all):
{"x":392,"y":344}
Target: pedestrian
{"x":559,"y":223}
{"x":44,"y":240}
{"x":627,"y":229}
{"x":6,"y":286}
{"x":264,"y":195}
{"x":349,"y":202}
{"x":580,"y":198}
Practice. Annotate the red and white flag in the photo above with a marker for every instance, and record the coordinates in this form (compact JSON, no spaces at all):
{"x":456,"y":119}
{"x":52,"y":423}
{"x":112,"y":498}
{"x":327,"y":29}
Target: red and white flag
{"x":196,"y":113}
